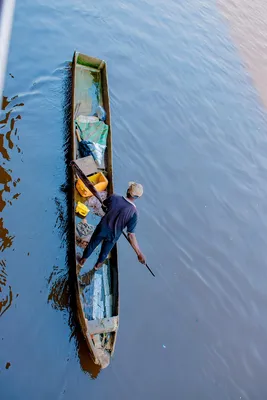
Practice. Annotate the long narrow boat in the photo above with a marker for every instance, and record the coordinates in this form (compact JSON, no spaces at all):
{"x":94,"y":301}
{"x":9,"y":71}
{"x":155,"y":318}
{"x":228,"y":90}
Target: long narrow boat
{"x":96,"y":292}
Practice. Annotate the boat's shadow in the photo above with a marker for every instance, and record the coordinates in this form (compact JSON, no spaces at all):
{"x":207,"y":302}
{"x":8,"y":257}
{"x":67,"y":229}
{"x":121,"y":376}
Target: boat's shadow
{"x":62,"y":290}
{"x":62,"y":297}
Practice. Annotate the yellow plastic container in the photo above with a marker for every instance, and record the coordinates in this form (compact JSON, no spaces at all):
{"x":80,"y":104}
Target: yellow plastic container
{"x":82,"y":209}
{"x":99,"y":181}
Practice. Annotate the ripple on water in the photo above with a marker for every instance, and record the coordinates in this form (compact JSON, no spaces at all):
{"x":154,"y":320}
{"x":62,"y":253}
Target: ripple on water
{"x":8,"y":143}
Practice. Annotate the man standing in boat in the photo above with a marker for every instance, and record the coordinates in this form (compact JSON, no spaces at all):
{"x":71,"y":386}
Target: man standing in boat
{"x":121,"y":213}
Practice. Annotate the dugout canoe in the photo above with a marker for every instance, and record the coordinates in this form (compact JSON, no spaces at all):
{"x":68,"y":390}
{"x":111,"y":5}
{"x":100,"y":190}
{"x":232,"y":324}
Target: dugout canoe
{"x":97,"y":293}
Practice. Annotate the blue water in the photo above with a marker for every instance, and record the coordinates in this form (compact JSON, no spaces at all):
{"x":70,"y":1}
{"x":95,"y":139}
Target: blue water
{"x":188,"y":124}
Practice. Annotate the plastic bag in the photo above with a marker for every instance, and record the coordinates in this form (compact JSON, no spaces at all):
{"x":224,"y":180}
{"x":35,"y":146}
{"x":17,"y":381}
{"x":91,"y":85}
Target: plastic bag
{"x":101,"y":113}
{"x":86,"y":119}
{"x":85,"y":148}
{"x":98,"y":152}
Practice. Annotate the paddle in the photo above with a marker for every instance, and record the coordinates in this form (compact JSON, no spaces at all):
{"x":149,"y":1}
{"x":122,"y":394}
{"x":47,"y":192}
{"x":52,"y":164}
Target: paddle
{"x":126,"y":237}
{"x":93,"y":190}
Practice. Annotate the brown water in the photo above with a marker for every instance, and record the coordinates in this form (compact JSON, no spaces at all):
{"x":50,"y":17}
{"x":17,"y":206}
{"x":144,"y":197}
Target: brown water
{"x":248,"y":26}
{"x":190,"y":125}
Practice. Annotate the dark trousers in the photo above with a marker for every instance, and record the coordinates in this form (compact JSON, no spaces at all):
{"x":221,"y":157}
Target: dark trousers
{"x":101,"y":234}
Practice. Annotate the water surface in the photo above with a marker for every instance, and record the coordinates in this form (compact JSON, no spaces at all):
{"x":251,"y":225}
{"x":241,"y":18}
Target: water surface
{"x":187,"y":123}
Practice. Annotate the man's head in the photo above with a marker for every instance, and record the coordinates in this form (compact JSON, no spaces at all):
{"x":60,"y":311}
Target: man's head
{"x":135,"y":190}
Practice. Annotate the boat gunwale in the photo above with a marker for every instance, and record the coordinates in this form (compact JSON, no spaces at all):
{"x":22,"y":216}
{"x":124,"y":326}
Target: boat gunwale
{"x":102,"y":67}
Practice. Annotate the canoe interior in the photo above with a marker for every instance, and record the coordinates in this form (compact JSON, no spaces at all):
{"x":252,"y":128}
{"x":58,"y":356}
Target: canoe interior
{"x":97,"y":292}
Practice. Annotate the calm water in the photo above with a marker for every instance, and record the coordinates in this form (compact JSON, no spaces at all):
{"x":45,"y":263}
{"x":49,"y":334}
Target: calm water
{"x":190,"y":125}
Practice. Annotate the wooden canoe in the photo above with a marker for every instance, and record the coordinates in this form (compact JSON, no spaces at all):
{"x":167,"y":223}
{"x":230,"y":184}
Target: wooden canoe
{"x":97,"y":292}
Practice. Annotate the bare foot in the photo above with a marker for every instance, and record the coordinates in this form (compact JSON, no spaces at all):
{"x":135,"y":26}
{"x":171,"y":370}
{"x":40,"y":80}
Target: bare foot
{"x":82,"y":261}
{"x":98,"y":266}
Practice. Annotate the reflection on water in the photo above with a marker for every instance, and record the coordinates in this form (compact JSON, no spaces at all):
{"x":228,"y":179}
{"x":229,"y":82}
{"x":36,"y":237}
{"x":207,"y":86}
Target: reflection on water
{"x":248,"y":21}
{"x":6,"y":295}
{"x":8,"y":365}
{"x":183,"y":124}
{"x":59,"y":289}
{"x":8,"y":142}
{"x":60,"y":297}
{"x":86,"y":361}
{"x":61,"y":281}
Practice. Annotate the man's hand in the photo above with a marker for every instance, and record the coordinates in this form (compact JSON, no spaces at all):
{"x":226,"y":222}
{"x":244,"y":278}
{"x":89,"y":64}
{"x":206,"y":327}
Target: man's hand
{"x":141,"y":258}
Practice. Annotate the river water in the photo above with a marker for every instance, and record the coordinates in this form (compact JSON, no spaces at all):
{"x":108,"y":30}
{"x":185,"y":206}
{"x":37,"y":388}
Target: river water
{"x":189,"y":122}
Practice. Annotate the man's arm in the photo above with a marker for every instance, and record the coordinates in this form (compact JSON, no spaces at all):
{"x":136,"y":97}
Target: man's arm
{"x":135,"y":246}
{"x":132,"y":238}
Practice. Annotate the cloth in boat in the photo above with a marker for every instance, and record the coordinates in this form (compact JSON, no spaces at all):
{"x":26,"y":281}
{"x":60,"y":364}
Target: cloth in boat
{"x":97,"y":133}
{"x":120,"y":213}
{"x":86,"y":148}
{"x":84,"y":229}
{"x":84,"y":233}
{"x":94,"y":204}
{"x":81,"y":242}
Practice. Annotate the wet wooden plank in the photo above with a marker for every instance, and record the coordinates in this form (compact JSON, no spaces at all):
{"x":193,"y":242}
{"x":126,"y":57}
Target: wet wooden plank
{"x":104,"y":325}
{"x":87,"y":165}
